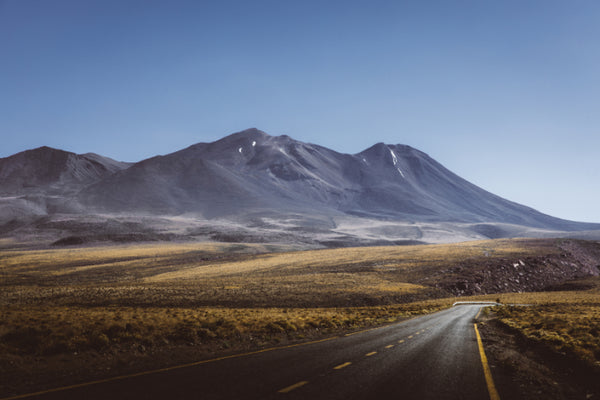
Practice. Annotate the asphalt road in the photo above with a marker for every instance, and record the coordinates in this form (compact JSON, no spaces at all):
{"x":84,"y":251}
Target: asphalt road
{"x":431,"y":357}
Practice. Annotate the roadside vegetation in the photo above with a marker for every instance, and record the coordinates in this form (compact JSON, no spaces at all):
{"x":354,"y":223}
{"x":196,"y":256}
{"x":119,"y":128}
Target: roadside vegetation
{"x":55,"y":330}
{"x":130,"y":307}
{"x":568,"y":322}
{"x":573,"y":329}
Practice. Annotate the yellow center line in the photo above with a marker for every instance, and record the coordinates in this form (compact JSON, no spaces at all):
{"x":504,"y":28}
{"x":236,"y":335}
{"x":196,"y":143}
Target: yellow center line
{"x":292,"y":387}
{"x":370,"y":354}
{"x":401,"y":341}
{"x":389,"y":346}
{"x":410,"y":337}
{"x":417,"y":333}
{"x":489,"y":380}
{"x":344,"y":365}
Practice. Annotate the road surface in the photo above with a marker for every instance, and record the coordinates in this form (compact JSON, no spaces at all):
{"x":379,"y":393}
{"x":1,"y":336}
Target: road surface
{"x":431,"y":357}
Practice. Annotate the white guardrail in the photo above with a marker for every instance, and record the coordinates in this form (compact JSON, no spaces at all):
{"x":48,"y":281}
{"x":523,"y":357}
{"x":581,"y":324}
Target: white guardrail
{"x":484,"y":303}
{"x":489,"y":303}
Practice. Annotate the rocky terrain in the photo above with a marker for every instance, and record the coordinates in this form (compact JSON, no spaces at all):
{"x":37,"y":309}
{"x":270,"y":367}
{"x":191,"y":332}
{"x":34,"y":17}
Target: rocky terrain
{"x":546,"y":271}
{"x":253,"y":187}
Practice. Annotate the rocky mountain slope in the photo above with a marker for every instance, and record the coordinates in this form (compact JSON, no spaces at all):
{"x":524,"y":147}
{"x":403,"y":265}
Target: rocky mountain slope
{"x":49,"y":171}
{"x":251,"y":170}
{"x":264,"y":182}
{"x":45,"y":181}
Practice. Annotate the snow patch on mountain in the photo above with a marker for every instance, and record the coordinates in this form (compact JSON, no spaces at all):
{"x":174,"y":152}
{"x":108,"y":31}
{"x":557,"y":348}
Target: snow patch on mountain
{"x":394,"y":158}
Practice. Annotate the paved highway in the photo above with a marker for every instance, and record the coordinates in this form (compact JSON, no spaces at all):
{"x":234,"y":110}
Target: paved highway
{"x":431,"y":357}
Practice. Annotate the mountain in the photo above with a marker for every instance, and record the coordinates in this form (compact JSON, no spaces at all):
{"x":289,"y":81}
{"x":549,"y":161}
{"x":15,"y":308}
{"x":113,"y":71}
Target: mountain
{"x":51,"y":171}
{"x":252,"y":171}
{"x":44,"y":180}
{"x":281,"y":187}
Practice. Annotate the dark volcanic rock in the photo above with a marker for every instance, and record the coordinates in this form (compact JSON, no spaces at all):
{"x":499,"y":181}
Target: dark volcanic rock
{"x":251,"y":175}
{"x":527,"y":274}
{"x":51,"y":171}
{"x":250,"y":171}
{"x":45,"y":181}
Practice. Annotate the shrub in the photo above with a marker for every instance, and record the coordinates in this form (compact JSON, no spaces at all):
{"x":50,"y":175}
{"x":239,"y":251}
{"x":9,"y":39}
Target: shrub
{"x":98,"y":341}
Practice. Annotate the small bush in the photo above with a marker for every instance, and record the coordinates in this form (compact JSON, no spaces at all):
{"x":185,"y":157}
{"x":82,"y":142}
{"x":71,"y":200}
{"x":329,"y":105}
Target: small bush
{"x":274,"y":327}
{"x":99,"y":341}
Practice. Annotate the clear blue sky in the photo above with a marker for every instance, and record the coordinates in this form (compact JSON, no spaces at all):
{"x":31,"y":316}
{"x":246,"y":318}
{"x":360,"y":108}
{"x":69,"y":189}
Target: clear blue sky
{"x":504,"y":93}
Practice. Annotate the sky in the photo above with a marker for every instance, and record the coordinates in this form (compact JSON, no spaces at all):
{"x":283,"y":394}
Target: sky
{"x":505,"y":94}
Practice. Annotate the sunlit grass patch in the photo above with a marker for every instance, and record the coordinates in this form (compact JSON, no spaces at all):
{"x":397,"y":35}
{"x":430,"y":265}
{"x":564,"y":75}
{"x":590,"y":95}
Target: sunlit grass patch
{"x":381,"y":259}
{"x":57,"y":300}
{"x":51,"y":330}
{"x":567,"y":324}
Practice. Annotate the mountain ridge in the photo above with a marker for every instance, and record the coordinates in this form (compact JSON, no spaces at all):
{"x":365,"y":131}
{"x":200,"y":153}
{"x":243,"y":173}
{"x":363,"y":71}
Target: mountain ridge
{"x":250,"y":177}
{"x":45,"y":166}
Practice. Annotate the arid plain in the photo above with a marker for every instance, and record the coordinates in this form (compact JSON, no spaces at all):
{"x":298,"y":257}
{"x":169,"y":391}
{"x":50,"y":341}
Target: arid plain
{"x":73,"y":314}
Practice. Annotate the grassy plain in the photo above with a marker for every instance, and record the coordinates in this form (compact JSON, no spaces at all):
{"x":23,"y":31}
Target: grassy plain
{"x":81,"y":297}
{"x":566,"y":321}
{"x":241,"y":275}
{"x":126,"y":302}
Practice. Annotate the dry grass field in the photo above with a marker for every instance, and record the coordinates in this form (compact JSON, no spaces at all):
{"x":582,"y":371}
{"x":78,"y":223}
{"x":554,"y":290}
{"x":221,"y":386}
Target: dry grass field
{"x":123,"y":306}
{"x":566,"y":321}
{"x":547,"y":346}
{"x":571,"y":328}
{"x":252,"y":275}
{"x":49,"y":330}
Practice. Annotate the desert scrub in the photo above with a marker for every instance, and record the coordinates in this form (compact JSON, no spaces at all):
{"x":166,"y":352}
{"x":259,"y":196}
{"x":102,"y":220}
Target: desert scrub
{"x":211,"y":275}
{"x":566,"y":328}
{"x":55,"y":330}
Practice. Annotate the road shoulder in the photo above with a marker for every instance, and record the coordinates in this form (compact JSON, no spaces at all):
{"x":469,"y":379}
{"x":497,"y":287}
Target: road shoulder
{"x":522,"y":370}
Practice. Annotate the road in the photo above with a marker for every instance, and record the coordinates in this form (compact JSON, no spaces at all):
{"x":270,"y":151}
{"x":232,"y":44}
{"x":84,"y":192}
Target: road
{"x":431,"y":357}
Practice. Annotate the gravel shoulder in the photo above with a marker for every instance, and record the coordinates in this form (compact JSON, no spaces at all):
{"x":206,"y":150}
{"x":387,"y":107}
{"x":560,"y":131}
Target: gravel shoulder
{"x":526,"y":370}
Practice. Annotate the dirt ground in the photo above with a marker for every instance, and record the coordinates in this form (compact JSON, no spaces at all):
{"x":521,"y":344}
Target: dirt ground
{"x":523,"y":370}
{"x":115,"y":310}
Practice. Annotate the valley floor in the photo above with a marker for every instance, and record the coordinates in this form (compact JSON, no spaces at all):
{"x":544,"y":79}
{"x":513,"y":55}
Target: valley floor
{"x":73,"y":314}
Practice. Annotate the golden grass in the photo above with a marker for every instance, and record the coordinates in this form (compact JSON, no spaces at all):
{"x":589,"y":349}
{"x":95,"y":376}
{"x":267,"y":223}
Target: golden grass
{"x":566,"y":321}
{"x":187,"y":258}
{"x":46,"y":330}
{"x":384,"y":259}
{"x":209,"y":274}
{"x":75,"y":299}
{"x":566,"y":327}
{"x":64,"y":261}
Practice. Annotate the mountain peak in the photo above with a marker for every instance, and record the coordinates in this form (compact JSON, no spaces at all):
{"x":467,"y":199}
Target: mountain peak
{"x":46,"y":148}
{"x":251,"y":173}
{"x":49,"y":169}
{"x":378,"y":150}
{"x":247,"y":137}
{"x":250,"y":133}
{"x":42,"y":150}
